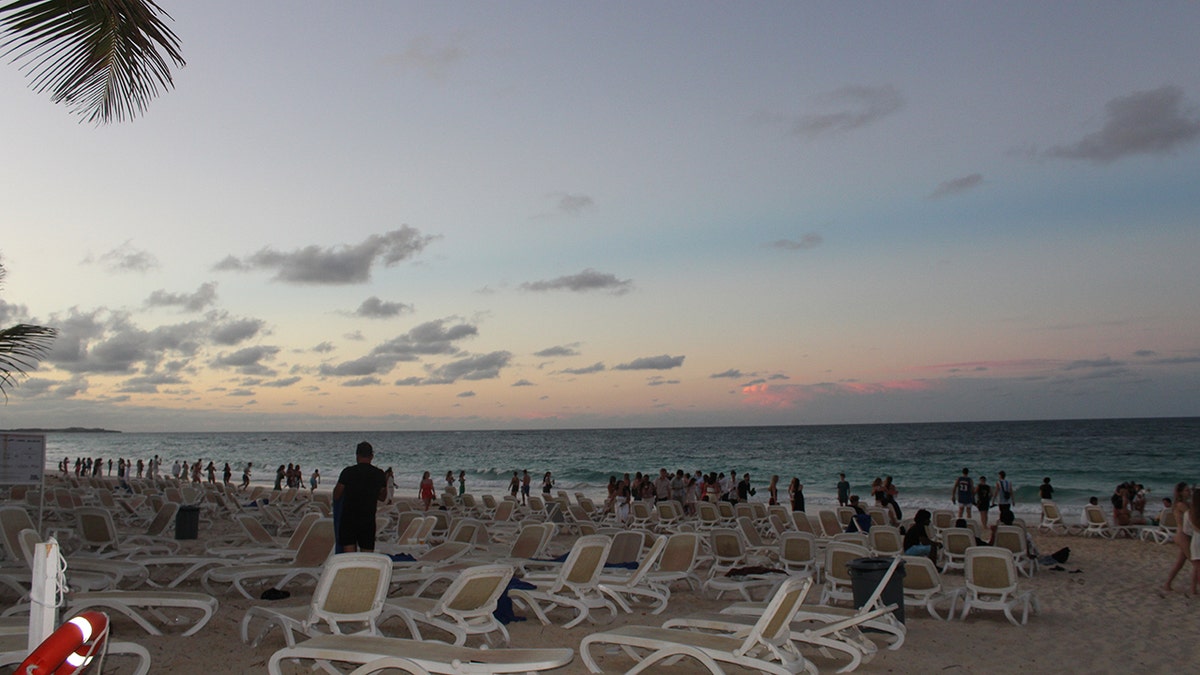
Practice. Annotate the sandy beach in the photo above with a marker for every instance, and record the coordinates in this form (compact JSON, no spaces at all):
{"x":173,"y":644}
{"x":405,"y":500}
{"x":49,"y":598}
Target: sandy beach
{"x":1106,"y":617}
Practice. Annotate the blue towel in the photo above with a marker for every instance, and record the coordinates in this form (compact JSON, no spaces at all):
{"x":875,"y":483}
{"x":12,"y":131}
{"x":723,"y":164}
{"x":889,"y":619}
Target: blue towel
{"x":504,"y":605}
{"x":402,"y":557}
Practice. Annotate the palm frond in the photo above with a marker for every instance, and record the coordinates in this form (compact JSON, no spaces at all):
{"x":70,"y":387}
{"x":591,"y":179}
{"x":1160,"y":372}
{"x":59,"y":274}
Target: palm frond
{"x":105,"y":59}
{"x":21,"y":347}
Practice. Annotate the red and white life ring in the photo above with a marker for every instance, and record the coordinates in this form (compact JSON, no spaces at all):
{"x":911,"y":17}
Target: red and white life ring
{"x":69,"y":648}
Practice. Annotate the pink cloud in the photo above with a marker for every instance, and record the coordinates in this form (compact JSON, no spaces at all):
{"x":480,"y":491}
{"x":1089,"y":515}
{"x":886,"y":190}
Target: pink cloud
{"x":791,"y":395}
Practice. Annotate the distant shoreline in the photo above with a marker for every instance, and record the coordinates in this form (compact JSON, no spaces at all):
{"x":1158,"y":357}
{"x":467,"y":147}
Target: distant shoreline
{"x":67,"y":430}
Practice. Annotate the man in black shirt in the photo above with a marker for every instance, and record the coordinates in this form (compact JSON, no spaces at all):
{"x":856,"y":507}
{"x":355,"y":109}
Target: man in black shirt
{"x":360,"y":487}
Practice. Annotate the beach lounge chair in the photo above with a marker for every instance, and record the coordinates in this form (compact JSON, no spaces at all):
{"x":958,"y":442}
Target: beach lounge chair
{"x":576,"y":585}
{"x":1097,"y":524}
{"x":1164,"y":531}
{"x":992,"y":584}
{"x":923,"y":586}
{"x":798,"y":553}
{"x":709,"y":517}
{"x":433,"y":657}
{"x":955,"y":542}
{"x":838,"y":585}
{"x":803,"y":523}
{"x":308,"y":562}
{"x":885,"y":540}
{"x":728,"y":549}
{"x":765,"y":646}
{"x":833,"y":628}
{"x":352,"y":589}
{"x":678,"y":561}
{"x":638,"y":584}
{"x":1012,"y":538}
{"x":830,"y":523}
{"x":464,"y":609}
{"x":1052,"y":520}
{"x":152,"y":604}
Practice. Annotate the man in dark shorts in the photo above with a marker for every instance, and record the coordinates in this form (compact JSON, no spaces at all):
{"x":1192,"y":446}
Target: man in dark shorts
{"x":360,"y":487}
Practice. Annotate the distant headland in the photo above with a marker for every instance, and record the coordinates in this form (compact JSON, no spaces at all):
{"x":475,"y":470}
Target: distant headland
{"x":67,"y":430}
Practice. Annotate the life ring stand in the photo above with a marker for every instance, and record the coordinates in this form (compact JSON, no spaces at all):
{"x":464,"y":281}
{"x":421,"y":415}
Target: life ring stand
{"x":70,"y":648}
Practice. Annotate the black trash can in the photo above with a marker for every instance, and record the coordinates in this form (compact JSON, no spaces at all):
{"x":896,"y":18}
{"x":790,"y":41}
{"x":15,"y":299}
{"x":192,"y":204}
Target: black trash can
{"x":865,"y":575}
{"x":187,"y":522}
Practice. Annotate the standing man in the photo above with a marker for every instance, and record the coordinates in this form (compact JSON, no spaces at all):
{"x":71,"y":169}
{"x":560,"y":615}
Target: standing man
{"x":1004,"y":496}
{"x":359,"y":487}
{"x":843,"y":490}
{"x":963,"y":493}
{"x":662,"y":486}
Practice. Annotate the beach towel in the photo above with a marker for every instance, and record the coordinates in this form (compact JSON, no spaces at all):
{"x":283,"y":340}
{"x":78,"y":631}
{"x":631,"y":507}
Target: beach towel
{"x":504,"y":605}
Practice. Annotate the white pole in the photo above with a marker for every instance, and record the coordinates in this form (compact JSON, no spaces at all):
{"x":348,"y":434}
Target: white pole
{"x":43,"y":593}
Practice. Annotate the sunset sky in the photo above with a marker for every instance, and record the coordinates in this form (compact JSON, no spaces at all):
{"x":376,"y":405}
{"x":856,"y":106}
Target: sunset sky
{"x":416,"y":215}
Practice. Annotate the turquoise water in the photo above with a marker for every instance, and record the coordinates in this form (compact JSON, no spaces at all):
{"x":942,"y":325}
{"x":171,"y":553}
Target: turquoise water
{"x":1082,"y":457}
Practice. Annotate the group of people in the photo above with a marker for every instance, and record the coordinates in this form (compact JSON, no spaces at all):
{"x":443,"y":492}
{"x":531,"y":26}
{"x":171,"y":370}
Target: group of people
{"x":288,"y":477}
{"x":1129,"y":504}
{"x":968,"y":493}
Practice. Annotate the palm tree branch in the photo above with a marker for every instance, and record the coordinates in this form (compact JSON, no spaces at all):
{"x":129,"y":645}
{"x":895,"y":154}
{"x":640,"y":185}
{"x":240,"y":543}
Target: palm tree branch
{"x":21,"y":346}
{"x":106,"y":59}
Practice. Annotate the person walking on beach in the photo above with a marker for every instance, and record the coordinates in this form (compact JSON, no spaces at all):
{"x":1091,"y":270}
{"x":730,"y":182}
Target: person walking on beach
{"x":547,"y":484}
{"x":450,"y":483}
{"x":1193,"y":520}
{"x":514,"y":485}
{"x":425,"y":490}
{"x":1004,"y":495}
{"x":525,"y":479}
{"x":462,"y":483}
{"x":1046,"y":490}
{"x":359,"y":488}
{"x":963,"y":493}
{"x":226,"y":474}
{"x":246,"y":476}
{"x":314,"y":481}
{"x":279,"y":475}
{"x":843,"y":490}
{"x":983,"y":500}
{"x":1183,"y":538}
{"x":796,"y":493}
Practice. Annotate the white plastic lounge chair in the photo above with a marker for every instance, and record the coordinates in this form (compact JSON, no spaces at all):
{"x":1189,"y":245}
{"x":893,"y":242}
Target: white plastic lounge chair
{"x":433,"y":657}
{"x":838,"y":585}
{"x":1052,"y":520}
{"x":1164,"y":531}
{"x":638,"y":585}
{"x":798,"y":552}
{"x":885,"y":540}
{"x":152,"y":603}
{"x":992,"y":584}
{"x":923,"y":586}
{"x":309,"y":560}
{"x":955,"y":542}
{"x":464,"y":609}
{"x":678,"y":561}
{"x":1012,"y":538}
{"x":352,"y":589}
{"x":1097,"y":524}
{"x":575,"y":586}
{"x":830,"y":523}
{"x":729,"y":552}
{"x":765,"y":646}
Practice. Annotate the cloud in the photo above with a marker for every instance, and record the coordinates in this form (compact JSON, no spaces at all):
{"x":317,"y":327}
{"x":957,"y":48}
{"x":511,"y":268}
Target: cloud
{"x":586,"y":370}
{"x":663,"y":362}
{"x":850,"y":108}
{"x":658,"y":381}
{"x":108,"y":342}
{"x":232,"y":332}
{"x":956,"y":186}
{"x":573,"y":205}
{"x":189,"y":302}
{"x":465,"y":394}
{"x":374,"y":308}
{"x":1151,"y":122}
{"x":282,"y":382}
{"x":429,"y":338}
{"x":362,"y":382}
{"x":435,"y":62}
{"x":334,"y":266}
{"x":523,"y":383}
{"x":481,"y":367}
{"x":126,"y":258}
{"x":558,"y":350}
{"x":587,"y":280}
{"x":372,"y":364}
{"x":248,"y":361}
{"x":807,"y":241}
{"x":323,"y":347}
{"x":732,"y":373}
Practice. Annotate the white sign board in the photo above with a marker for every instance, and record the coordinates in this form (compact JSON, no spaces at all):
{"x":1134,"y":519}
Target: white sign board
{"x":22,"y":458}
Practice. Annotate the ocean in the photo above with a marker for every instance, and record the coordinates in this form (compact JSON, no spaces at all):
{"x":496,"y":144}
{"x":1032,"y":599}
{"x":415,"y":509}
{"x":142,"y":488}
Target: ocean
{"x":1083,"y":458}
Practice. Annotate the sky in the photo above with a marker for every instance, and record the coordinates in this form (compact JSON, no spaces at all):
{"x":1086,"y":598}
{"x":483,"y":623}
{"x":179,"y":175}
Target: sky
{"x":413,"y":215}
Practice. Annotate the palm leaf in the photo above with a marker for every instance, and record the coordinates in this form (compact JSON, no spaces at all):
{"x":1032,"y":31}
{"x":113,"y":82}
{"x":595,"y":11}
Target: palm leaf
{"x":103,"y":58}
{"x":21,"y":347}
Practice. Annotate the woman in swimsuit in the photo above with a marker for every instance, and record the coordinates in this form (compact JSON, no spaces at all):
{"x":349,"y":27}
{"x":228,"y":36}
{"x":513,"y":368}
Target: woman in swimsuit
{"x":425,"y":491}
{"x":1183,"y":539}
